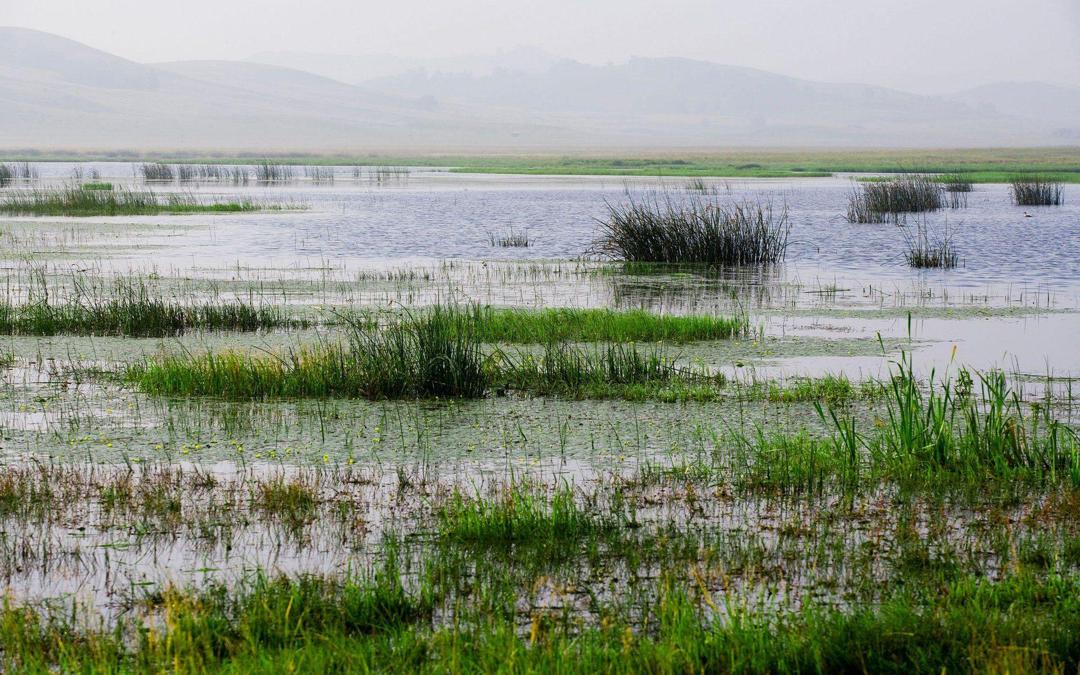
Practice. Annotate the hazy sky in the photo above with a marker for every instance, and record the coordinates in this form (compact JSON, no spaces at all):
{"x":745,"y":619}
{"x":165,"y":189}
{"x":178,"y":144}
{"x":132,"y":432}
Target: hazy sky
{"x":921,"y":45}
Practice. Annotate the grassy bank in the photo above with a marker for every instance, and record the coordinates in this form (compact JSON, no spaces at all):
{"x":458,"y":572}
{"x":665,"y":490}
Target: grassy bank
{"x":976,"y":165}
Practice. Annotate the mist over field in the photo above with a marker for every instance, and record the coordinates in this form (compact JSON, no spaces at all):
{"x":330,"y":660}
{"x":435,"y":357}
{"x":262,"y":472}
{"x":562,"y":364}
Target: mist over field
{"x":474,"y":76}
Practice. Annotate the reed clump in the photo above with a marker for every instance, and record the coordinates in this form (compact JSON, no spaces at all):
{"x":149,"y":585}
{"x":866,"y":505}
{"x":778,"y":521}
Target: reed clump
{"x":511,"y":239}
{"x":1037,"y":191}
{"x":693,"y":228}
{"x":272,"y":172}
{"x":882,"y":201}
{"x":926,"y":249}
{"x":955,"y":182}
{"x":157,"y":172}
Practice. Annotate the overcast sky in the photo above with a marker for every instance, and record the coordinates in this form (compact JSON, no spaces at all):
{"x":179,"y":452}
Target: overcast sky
{"x":920,"y":45}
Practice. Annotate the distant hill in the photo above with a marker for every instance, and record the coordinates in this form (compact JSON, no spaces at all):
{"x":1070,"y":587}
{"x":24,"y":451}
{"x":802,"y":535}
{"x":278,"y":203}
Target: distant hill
{"x":361,"y":69}
{"x":57,"y":93}
{"x":1049,"y":104}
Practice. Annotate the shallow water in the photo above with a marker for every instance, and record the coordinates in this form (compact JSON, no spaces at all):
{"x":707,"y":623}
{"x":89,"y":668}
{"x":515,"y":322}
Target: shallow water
{"x":843,"y":302}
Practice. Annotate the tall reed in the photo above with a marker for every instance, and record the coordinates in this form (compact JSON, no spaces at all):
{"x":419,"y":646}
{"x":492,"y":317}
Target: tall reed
{"x":1037,"y":191}
{"x":693,"y":229}
{"x":881,"y":201}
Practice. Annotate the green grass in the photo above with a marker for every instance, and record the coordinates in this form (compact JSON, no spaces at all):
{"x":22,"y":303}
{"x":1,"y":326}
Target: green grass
{"x":313,"y":624}
{"x":601,"y":325}
{"x":129,"y":308}
{"x":431,"y":355}
{"x":518,"y":515}
{"x":979,"y":165}
{"x":75,"y":201}
{"x":97,"y":186}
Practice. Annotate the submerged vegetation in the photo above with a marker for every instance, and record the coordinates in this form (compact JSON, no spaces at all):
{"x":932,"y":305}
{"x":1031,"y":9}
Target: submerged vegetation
{"x":75,"y":201}
{"x":696,"y":228}
{"x":1037,"y":191}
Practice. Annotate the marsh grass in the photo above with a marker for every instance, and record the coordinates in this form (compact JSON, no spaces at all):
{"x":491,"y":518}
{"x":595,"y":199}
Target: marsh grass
{"x":272,"y":172}
{"x":944,"y":430}
{"x":519,"y":515}
{"x":157,"y":172}
{"x":294,"y":501}
{"x":955,"y":182}
{"x":880,"y":201}
{"x":436,"y":353}
{"x":105,"y":187}
{"x":1037,"y":191}
{"x":319,"y":174}
{"x":611,"y":371}
{"x":129,"y":307}
{"x":511,"y":239}
{"x":431,"y":355}
{"x":926,"y":249}
{"x":75,"y":201}
{"x":601,"y":325}
{"x":1024,"y":623}
{"x":694,"y":228}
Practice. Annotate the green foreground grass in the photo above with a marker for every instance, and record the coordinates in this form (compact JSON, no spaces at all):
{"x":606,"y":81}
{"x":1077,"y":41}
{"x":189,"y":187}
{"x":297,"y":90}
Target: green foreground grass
{"x":312,"y":624}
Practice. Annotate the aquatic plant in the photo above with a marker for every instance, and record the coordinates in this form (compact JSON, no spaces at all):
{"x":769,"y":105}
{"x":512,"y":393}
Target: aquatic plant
{"x":97,"y":186}
{"x":511,"y":239}
{"x":75,"y":201}
{"x":520,"y":514}
{"x":600,"y":325}
{"x":881,"y":200}
{"x":272,"y":172}
{"x":157,"y":172}
{"x":694,"y":229}
{"x":926,"y":249}
{"x":944,"y":429}
{"x":1037,"y":191}
{"x":955,"y":182}
{"x":128,"y":307}
{"x":319,"y":174}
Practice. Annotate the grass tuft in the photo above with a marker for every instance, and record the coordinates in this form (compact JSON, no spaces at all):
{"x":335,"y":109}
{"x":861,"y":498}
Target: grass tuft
{"x":695,"y":228}
{"x":930,"y":250}
{"x":880,"y":201}
{"x":1037,"y":191}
